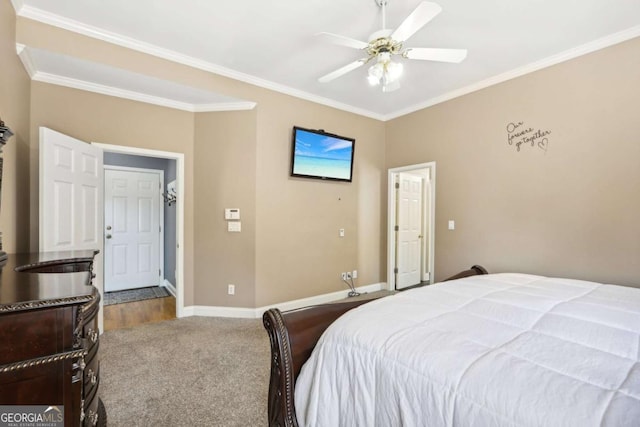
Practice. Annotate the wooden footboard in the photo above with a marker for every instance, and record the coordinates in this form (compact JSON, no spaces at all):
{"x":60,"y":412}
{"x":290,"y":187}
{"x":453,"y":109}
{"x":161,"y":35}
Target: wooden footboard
{"x":293,"y":335}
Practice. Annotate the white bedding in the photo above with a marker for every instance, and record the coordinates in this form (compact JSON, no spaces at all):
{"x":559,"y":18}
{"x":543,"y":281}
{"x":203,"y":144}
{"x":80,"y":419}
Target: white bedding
{"x":493,"y":350}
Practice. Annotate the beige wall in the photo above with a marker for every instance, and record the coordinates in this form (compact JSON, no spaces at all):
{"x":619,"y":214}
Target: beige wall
{"x":299,"y":251}
{"x":14,"y":111}
{"x":225,"y":177}
{"x":289,"y":247}
{"x":569,"y":211}
{"x":97,"y":118}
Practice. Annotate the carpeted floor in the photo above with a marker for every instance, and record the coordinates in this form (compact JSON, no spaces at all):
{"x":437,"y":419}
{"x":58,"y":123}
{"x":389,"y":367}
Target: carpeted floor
{"x":140,"y":294}
{"x":194,"y":371}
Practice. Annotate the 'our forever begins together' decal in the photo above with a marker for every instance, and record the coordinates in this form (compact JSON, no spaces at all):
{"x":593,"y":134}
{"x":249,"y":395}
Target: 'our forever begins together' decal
{"x":519,"y":134}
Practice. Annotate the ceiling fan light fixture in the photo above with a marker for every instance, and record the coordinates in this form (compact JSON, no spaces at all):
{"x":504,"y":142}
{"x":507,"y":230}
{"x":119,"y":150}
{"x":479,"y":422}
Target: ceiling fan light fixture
{"x":393,"y":72}
{"x":384,"y":71}
{"x":376,"y":73}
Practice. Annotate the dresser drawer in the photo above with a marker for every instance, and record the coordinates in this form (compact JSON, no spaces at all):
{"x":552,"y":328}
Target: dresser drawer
{"x":91,"y":413}
{"x":90,"y":331}
{"x":91,"y":370}
{"x":36,"y":333}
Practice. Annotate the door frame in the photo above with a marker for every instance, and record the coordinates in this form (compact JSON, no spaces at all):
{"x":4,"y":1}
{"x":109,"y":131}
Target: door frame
{"x":180,"y":173}
{"x":428,"y":219}
{"x":160,"y":208}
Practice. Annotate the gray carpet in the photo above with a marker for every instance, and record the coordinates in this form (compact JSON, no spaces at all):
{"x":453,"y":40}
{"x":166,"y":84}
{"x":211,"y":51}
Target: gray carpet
{"x":195,"y":371}
{"x":140,"y":294}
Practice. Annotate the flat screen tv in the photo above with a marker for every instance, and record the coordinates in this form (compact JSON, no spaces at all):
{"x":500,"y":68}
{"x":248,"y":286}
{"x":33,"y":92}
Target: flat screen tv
{"x":321,"y":155}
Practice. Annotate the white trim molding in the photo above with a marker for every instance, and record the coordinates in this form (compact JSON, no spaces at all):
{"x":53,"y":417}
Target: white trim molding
{"x":49,"y":18}
{"x":180,"y":176}
{"x":256,"y":313}
{"x":169,"y":286}
{"x":138,"y":96}
{"x":56,"y":79}
{"x":27,"y":60}
{"x":584,"y":49}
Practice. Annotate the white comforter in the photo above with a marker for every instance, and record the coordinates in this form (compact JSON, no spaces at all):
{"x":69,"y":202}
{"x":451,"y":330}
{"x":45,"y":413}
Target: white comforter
{"x":494,"y":350}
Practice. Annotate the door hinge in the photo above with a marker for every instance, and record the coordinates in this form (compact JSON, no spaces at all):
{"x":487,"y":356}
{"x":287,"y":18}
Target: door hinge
{"x":397,"y":185}
{"x":160,"y":228}
{"x":395,"y":270}
{"x":396,"y":228}
{"x":159,"y":272}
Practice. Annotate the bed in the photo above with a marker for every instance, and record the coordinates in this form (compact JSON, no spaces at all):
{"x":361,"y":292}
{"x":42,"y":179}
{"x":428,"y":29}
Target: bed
{"x":481,"y":349}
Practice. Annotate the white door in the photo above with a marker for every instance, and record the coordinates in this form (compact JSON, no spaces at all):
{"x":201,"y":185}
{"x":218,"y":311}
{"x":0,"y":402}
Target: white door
{"x":409,"y":222}
{"x":132,"y":229}
{"x":70,"y":197}
{"x":70,"y":193}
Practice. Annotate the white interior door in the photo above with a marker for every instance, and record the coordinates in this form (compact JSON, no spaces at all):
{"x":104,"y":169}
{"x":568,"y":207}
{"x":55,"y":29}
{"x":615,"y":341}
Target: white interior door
{"x":70,"y":197}
{"x":409,"y":221}
{"x":132,"y":229}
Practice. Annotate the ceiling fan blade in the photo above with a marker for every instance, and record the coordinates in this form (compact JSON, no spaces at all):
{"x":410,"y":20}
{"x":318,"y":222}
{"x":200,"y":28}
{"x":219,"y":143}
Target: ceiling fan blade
{"x":343,"y":41}
{"x":342,"y":71}
{"x":424,"y":13}
{"x":442,"y":55}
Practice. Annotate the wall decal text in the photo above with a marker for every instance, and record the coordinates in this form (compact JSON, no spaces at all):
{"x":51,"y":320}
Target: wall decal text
{"x":519,"y":134}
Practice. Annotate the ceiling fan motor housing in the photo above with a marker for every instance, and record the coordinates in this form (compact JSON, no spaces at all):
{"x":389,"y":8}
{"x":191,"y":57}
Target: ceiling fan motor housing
{"x":380,"y":42}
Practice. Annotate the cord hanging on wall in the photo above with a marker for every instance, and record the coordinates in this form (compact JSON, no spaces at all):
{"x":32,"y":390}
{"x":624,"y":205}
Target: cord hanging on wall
{"x":170,"y":196}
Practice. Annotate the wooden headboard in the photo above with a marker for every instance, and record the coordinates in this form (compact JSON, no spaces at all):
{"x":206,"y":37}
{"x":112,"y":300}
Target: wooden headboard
{"x":293,"y":336}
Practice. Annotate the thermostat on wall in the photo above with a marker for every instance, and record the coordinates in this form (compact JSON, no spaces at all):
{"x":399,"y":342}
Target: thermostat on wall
{"x":232,"y":213}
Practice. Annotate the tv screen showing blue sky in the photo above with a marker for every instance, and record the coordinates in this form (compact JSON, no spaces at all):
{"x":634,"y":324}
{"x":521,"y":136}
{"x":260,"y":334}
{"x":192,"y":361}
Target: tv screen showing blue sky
{"x":322,"y":155}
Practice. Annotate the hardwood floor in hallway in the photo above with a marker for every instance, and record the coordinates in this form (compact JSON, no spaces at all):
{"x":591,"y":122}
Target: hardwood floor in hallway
{"x":129,"y":314}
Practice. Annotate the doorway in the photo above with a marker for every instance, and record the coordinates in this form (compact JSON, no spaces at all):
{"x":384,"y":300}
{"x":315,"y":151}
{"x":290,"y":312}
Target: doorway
{"x":172,"y":270}
{"x":410,"y":228}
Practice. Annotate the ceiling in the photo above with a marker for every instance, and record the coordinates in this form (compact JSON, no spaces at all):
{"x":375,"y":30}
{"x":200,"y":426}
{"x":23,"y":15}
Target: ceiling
{"x":273,"y":44}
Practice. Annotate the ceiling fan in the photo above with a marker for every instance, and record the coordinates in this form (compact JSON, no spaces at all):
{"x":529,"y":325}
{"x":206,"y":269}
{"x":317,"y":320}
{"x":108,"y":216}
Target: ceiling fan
{"x":384,"y":44}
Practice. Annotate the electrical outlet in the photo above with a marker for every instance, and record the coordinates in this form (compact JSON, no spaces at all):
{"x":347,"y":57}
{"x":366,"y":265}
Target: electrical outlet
{"x":354,"y":274}
{"x":348,"y":275}
{"x":231,"y":289}
{"x":344,"y":276}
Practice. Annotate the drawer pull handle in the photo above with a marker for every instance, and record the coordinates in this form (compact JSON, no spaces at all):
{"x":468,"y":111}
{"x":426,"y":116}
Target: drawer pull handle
{"x":92,"y":417}
{"x":93,"y":378}
{"x":93,"y":335}
{"x":80,"y":365}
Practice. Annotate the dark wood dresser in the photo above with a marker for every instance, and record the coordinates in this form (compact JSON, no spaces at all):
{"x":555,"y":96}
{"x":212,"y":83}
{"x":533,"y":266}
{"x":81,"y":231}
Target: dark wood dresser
{"x":49,"y":335}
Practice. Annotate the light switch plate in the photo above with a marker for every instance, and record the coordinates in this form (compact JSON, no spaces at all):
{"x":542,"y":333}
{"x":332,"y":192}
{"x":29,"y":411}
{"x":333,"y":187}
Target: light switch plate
{"x":234,"y":226}
{"x":231,"y":213}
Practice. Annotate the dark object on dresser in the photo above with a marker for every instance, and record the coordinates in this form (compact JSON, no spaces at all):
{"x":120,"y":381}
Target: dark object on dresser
{"x":49,"y":335}
{"x":293,"y":336}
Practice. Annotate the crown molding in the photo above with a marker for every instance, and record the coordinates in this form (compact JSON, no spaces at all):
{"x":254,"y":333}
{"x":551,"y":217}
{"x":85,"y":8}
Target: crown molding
{"x":224,"y":106}
{"x":27,"y":61}
{"x":584,"y":49}
{"x":48,"y":18}
{"x":17,"y":5}
{"x":136,"y":96}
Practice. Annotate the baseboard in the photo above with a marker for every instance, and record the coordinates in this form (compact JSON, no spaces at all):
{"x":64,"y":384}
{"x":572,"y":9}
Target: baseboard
{"x":172,"y":289}
{"x":256,"y":313}
{"x":319,"y":299}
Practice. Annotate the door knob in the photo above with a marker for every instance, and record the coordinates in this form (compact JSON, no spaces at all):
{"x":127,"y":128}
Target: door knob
{"x":108,"y":227}
{"x":108,"y":236}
